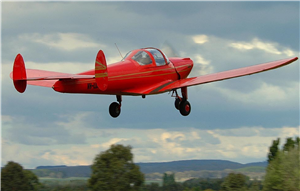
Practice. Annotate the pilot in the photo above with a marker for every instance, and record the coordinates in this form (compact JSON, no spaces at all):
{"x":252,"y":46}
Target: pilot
{"x":146,"y":59}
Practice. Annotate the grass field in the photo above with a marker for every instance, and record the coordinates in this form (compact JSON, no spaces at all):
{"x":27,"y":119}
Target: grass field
{"x":251,"y":169}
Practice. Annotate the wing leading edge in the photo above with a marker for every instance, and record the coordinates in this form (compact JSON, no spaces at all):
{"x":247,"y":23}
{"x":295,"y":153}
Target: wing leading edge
{"x":224,"y":75}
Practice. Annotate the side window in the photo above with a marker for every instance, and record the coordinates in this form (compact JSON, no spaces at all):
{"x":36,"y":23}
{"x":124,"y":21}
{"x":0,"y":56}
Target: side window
{"x":159,"y":58}
{"x":142,"y":58}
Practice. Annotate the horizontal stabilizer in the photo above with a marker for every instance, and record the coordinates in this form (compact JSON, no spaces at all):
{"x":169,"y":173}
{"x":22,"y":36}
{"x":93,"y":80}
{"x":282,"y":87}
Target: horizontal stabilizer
{"x":22,"y":76}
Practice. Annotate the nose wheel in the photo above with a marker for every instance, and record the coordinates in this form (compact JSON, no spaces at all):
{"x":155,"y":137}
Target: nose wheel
{"x":115,"y":108}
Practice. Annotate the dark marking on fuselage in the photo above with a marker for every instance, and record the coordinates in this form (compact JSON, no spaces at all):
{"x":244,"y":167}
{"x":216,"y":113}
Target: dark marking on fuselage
{"x":92,"y":86}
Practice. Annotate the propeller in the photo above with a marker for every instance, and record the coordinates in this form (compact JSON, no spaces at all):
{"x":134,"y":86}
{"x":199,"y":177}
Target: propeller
{"x":199,"y":68}
{"x":169,"y":50}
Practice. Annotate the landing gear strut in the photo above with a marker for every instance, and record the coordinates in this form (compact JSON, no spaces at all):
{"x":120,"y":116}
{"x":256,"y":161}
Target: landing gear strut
{"x":181,"y":103}
{"x":115,"y":108}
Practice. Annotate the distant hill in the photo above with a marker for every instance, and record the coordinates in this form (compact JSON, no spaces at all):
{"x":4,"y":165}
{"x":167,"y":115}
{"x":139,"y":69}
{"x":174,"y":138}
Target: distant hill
{"x":157,"y":167}
{"x":49,"y":167}
{"x":187,"y":165}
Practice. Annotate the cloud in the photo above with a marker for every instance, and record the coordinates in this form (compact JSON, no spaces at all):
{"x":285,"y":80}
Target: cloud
{"x":266,"y":94}
{"x":200,"y":39}
{"x":268,"y":47}
{"x":245,"y":144}
{"x":62,"y":41}
{"x":69,"y":130}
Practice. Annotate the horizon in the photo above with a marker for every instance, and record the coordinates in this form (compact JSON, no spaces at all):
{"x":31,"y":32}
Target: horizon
{"x":155,"y":162}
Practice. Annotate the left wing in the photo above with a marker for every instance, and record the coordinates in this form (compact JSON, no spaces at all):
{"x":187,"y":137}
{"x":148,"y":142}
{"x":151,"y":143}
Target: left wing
{"x":223,"y":75}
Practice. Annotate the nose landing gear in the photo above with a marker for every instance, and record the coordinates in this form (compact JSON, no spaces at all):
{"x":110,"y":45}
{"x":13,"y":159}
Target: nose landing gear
{"x":115,"y":108}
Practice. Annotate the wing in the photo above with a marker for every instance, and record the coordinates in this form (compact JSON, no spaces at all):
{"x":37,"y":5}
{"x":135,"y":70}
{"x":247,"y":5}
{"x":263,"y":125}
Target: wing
{"x":222,"y":75}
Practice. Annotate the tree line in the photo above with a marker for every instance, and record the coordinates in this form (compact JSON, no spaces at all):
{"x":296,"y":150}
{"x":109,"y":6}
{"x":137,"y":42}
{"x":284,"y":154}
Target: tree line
{"x":114,"y":170}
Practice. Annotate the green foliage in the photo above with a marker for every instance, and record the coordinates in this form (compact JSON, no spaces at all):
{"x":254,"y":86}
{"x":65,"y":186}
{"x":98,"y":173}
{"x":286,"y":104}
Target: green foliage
{"x":234,"y":182}
{"x":255,"y":185}
{"x":203,"y":184}
{"x":283,"y":173}
{"x":169,"y":183}
{"x":15,"y":178}
{"x":152,"y":187}
{"x":114,"y":170}
{"x":273,"y":150}
{"x":289,"y":144}
{"x":168,"y":179}
{"x":33,"y":180}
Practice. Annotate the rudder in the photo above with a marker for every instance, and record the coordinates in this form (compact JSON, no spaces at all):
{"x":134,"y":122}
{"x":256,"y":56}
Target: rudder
{"x":19,"y":74}
{"x":101,"y":74}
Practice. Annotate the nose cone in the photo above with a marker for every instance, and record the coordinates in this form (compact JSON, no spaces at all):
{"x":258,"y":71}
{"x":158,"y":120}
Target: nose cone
{"x":183,"y":66}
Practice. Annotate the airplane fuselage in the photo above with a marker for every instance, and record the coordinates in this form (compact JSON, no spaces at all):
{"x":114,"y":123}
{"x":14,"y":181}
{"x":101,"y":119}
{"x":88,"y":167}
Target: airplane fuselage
{"x":129,"y":75}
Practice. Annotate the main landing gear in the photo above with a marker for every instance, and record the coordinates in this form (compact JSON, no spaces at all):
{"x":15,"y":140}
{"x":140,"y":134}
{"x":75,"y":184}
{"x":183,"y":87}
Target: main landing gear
{"x":115,"y":108}
{"x":181,"y":103}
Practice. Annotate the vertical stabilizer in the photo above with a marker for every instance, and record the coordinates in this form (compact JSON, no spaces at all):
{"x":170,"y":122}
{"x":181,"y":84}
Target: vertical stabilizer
{"x":101,"y":74}
{"x":19,"y":74}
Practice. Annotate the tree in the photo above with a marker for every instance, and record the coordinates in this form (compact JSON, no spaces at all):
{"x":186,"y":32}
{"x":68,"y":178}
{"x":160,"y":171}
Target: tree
{"x":169,"y":183}
{"x":273,"y":150}
{"x":114,"y":170}
{"x":32,"y":179}
{"x":151,"y":187}
{"x":289,"y":144}
{"x":283,"y":173}
{"x":234,"y":182}
{"x":13,"y":178}
{"x":168,"y":179}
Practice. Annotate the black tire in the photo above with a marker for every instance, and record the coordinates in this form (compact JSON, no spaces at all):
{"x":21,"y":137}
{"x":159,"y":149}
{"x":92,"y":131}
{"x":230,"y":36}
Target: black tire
{"x":114,"y":109}
{"x":185,"y":108}
{"x":177,"y":103}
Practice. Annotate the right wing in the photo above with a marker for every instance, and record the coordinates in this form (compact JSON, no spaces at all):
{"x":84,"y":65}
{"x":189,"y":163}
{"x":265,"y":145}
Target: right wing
{"x":223,"y":75}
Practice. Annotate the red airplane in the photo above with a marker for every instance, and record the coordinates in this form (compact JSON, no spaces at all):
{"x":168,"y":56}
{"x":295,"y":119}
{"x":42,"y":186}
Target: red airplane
{"x":141,"y":72}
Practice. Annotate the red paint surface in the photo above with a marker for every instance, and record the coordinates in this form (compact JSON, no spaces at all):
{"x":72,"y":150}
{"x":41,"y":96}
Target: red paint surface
{"x":128,"y":77}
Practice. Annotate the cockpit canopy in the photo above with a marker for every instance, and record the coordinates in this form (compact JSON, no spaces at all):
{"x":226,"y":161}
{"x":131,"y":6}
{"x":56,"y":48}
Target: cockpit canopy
{"x":147,"y":56}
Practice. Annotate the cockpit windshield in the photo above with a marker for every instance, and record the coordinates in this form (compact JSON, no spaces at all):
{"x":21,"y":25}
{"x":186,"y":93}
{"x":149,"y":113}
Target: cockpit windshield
{"x":150,"y":55}
{"x":157,"y":55}
{"x":142,"y":58}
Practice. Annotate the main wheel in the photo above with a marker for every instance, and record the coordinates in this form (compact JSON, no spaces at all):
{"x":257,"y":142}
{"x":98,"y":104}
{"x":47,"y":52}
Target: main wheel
{"x":185,"y":108}
{"x":177,"y":103}
{"x":114,"y":109}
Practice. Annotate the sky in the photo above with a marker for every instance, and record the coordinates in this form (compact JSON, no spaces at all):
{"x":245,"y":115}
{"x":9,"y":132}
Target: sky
{"x":235,"y":119}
